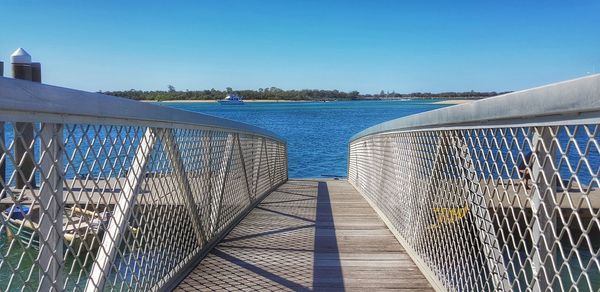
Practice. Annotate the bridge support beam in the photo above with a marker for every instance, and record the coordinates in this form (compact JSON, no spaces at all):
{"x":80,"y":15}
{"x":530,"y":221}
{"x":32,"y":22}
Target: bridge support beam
{"x":257,"y":168}
{"x":243,"y":162}
{"x":2,"y":141}
{"x":51,"y":202}
{"x":216,"y":201}
{"x":479,"y":208}
{"x":174,"y":155}
{"x":266,"y":151}
{"x":120,"y":220}
{"x":543,"y":221}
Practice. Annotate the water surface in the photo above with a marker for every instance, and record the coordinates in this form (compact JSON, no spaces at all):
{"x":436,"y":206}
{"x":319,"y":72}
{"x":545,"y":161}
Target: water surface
{"x":317,"y":132}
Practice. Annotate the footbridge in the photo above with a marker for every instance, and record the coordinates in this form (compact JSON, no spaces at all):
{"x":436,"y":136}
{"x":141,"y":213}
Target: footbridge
{"x":103,"y":193}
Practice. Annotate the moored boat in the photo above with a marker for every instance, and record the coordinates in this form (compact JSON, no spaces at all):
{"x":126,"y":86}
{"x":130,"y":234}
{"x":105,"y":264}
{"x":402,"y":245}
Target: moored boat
{"x":232,"y":99}
{"x":79,"y":226}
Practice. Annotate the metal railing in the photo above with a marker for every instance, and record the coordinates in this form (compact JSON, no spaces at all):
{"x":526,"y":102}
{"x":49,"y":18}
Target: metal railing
{"x":104,"y":193}
{"x":497,"y":194}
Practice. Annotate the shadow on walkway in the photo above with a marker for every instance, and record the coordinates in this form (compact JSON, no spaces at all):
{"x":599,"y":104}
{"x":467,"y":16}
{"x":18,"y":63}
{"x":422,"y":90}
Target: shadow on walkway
{"x":326,"y":246}
{"x":308,"y":235}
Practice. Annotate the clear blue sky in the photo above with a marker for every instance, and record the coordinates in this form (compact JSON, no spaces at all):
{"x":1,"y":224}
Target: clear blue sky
{"x":364,"y":45}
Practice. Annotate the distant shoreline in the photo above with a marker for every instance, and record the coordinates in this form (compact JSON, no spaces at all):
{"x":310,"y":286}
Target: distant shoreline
{"x":449,"y":101}
{"x":210,"y":100}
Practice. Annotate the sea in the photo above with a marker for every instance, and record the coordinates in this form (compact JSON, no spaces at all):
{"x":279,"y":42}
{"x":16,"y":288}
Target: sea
{"x":317,"y":133}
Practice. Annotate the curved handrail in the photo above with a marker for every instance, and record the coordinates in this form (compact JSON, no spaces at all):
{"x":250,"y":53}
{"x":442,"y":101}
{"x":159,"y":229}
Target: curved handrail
{"x":25,"y":96}
{"x":478,"y":193}
{"x":156,"y":185}
{"x":572,"y":97}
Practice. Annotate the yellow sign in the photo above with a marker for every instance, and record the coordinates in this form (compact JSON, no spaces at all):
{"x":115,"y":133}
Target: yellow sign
{"x":450,"y":215}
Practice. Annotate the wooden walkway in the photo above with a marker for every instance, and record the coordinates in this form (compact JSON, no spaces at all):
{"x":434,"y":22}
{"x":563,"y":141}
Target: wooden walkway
{"x":308,"y":235}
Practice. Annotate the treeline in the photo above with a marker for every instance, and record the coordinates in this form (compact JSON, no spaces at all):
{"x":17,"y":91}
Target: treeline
{"x":274,"y":93}
{"x":440,"y":95}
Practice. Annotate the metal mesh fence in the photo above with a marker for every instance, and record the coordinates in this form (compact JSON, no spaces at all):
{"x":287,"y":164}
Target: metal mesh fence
{"x":122,"y":207}
{"x":485,"y":209}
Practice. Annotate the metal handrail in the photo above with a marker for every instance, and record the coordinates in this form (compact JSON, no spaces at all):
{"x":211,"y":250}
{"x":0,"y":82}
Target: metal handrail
{"x":499,"y":194}
{"x":25,"y":96}
{"x":104,"y":193}
{"x":568,"y":100}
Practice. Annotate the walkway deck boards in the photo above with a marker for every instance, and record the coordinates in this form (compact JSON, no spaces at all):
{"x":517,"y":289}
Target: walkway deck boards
{"x":308,"y":235}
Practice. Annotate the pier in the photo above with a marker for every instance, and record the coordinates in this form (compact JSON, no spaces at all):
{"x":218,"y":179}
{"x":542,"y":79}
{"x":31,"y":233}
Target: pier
{"x":308,"y":235}
{"x":103,"y":193}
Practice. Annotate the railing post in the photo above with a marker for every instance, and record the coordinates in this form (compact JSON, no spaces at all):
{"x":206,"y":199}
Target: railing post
{"x":432,"y":187}
{"x":174,"y":155}
{"x":2,"y":162}
{"x":257,"y":169}
{"x":51,"y":207}
{"x":120,"y":219}
{"x":285,"y":162}
{"x":264,"y":143}
{"x":244,"y":167}
{"x":365,"y":178}
{"x":217,"y":196}
{"x":21,"y":66}
{"x":478,"y":207}
{"x":542,"y":202}
{"x":207,"y":176}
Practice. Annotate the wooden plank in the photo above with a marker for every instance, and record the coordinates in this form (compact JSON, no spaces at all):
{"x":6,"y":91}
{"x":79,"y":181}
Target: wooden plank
{"x":309,"y":234}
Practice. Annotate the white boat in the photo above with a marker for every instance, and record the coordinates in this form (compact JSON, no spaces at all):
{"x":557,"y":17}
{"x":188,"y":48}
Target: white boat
{"x":232,"y":99}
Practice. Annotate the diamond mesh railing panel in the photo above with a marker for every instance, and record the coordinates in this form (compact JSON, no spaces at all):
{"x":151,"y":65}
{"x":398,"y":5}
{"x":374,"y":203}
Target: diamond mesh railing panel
{"x":101,"y":206}
{"x":485,"y":209}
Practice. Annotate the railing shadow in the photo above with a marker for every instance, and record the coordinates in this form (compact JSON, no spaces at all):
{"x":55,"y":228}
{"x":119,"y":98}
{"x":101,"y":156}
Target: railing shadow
{"x":326,"y":246}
